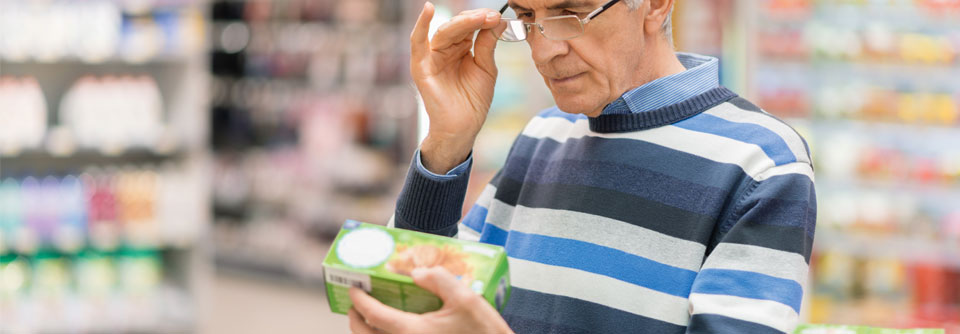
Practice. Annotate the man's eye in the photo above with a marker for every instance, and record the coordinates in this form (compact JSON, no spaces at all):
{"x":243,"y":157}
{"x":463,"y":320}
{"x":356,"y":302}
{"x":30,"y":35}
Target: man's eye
{"x":524,"y":15}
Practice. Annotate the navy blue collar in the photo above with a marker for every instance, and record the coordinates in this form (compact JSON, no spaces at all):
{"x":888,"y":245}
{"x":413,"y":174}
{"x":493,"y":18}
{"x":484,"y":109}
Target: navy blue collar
{"x":614,"y":123}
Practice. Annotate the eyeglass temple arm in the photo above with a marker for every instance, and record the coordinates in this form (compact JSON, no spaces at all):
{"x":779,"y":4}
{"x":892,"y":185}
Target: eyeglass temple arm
{"x":597,"y":11}
{"x":504,"y":8}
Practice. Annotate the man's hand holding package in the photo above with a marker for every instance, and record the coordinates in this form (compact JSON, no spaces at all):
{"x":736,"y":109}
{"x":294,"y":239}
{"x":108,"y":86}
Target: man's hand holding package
{"x":456,"y":85}
{"x":463,"y":310}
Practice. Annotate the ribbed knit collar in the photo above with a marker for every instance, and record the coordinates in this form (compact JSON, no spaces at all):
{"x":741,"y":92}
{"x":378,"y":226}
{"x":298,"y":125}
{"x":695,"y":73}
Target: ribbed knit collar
{"x":612,"y":123}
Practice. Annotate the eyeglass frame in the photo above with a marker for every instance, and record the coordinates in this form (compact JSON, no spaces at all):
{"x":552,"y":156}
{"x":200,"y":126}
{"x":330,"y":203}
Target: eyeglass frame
{"x":583,"y":21}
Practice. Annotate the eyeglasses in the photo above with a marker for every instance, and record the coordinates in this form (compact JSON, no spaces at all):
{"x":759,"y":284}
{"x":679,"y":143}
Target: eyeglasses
{"x":556,"y":28}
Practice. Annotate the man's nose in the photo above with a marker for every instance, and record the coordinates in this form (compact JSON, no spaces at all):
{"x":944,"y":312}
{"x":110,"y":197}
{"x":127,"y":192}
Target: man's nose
{"x":544,"y":50}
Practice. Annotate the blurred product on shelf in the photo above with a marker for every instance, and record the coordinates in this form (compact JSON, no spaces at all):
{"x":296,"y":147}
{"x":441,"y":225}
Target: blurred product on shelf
{"x":883,"y":105}
{"x":110,"y":113}
{"x":910,"y":10}
{"x":859,"y":100}
{"x":891,"y":154}
{"x":98,"y":31}
{"x":52,"y":291}
{"x":100,"y":208}
{"x":23,"y":118}
{"x":885,"y":291}
{"x":876,"y":42}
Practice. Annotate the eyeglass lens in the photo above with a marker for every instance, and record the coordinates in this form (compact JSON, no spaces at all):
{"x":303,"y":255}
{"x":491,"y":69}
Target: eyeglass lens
{"x":562,"y":27}
{"x":555,"y":28}
{"x":510,"y":30}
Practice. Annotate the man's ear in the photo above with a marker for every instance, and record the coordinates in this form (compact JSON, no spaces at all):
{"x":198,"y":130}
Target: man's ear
{"x":657,"y":13}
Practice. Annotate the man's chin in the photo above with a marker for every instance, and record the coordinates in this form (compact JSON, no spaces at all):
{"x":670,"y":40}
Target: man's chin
{"x":574,"y":105}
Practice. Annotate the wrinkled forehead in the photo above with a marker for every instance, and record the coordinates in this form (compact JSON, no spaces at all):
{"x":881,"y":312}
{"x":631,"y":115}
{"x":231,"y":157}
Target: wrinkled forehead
{"x":535,"y":5}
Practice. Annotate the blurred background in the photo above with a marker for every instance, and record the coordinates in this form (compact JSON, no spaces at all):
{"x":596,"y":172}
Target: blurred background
{"x":182,"y":165}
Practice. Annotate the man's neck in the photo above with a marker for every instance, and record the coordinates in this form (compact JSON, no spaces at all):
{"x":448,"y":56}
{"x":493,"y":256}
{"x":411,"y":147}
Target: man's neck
{"x":664,"y":62}
{"x":667,"y":62}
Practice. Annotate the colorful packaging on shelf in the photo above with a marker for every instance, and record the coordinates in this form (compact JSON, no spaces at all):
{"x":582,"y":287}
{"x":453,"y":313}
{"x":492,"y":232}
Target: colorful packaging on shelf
{"x":15,"y":278}
{"x":841,"y":329}
{"x":379,"y":260}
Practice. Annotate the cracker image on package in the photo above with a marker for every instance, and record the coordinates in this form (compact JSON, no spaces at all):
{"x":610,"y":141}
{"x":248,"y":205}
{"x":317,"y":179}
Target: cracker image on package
{"x":379,"y":260}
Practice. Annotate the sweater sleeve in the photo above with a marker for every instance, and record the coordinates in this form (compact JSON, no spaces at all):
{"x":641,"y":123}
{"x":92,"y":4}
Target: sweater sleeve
{"x":753,"y":280}
{"x":431,"y":203}
{"x":472,"y":225}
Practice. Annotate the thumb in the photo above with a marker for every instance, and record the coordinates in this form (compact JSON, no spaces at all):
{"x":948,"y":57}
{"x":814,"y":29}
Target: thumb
{"x":441,"y":283}
{"x":486,"y":42}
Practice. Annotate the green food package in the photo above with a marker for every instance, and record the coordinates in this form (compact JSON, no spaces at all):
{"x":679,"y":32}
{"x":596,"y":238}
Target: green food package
{"x":841,"y":329}
{"x":379,"y":260}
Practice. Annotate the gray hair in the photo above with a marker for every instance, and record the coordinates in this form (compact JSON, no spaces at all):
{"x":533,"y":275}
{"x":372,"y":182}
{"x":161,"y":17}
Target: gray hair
{"x":666,"y":28}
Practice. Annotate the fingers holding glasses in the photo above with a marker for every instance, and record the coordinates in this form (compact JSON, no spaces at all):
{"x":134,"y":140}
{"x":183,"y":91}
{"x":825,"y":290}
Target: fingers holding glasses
{"x":452,"y":40}
{"x":485,"y":44}
{"x":463,"y":26}
{"x":501,"y":26}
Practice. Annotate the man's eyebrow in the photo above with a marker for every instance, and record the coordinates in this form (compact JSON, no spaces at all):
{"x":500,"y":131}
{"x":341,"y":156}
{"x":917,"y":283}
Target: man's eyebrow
{"x":560,"y":5}
{"x":518,"y":8}
{"x":566,"y":4}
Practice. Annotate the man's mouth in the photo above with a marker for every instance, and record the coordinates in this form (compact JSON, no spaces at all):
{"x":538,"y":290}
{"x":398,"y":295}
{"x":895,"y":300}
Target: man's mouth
{"x":563,"y":80}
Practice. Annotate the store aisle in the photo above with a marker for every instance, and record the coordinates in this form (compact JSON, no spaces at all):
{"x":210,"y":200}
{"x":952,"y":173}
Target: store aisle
{"x":242,"y":305}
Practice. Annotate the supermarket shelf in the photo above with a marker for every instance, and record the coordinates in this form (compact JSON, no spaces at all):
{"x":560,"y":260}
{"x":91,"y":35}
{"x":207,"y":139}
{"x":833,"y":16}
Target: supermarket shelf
{"x":939,"y":76}
{"x":922,"y":139}
{"x":906,"y":16}
{"x":39,"y":160}
{"x":161,"y":292}
{"x":910,"y":249}
{"x":165,"y":306}
{"x":271,"y":253}
{"x":285,"y":24}
{"x":268,"y":270}
{"x":170,"y":60}
{"x":887,"y":184}
{"x":163,"y":4}
{"x":933,"y":190}
{"x":876,"y":312}
{"x":862,"y":15}
{"x":863,"y":65}
{"x":56,"y":320}
{"x":879,"y":128}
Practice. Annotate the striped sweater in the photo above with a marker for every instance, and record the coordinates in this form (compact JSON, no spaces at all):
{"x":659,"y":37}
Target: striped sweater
{"x":697,"y":217}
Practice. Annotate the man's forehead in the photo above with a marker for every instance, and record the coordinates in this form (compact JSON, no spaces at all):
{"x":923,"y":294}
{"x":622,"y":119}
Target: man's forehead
{"x":551,"y":4}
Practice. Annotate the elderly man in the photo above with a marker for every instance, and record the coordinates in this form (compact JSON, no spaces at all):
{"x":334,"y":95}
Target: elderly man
{"x":649,"y":200}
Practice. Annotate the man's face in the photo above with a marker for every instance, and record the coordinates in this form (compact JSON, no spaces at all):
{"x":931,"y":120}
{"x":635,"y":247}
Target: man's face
{"x":586,"y":73}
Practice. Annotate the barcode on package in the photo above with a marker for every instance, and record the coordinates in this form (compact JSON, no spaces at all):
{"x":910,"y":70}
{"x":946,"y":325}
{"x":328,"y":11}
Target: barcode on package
{"x":348,"y":279}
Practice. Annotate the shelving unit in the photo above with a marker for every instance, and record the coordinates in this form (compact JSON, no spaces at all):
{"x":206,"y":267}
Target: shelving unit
{"x":872,"y":86}
{"x":314,"y":122}
{"x":105,"y":230}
